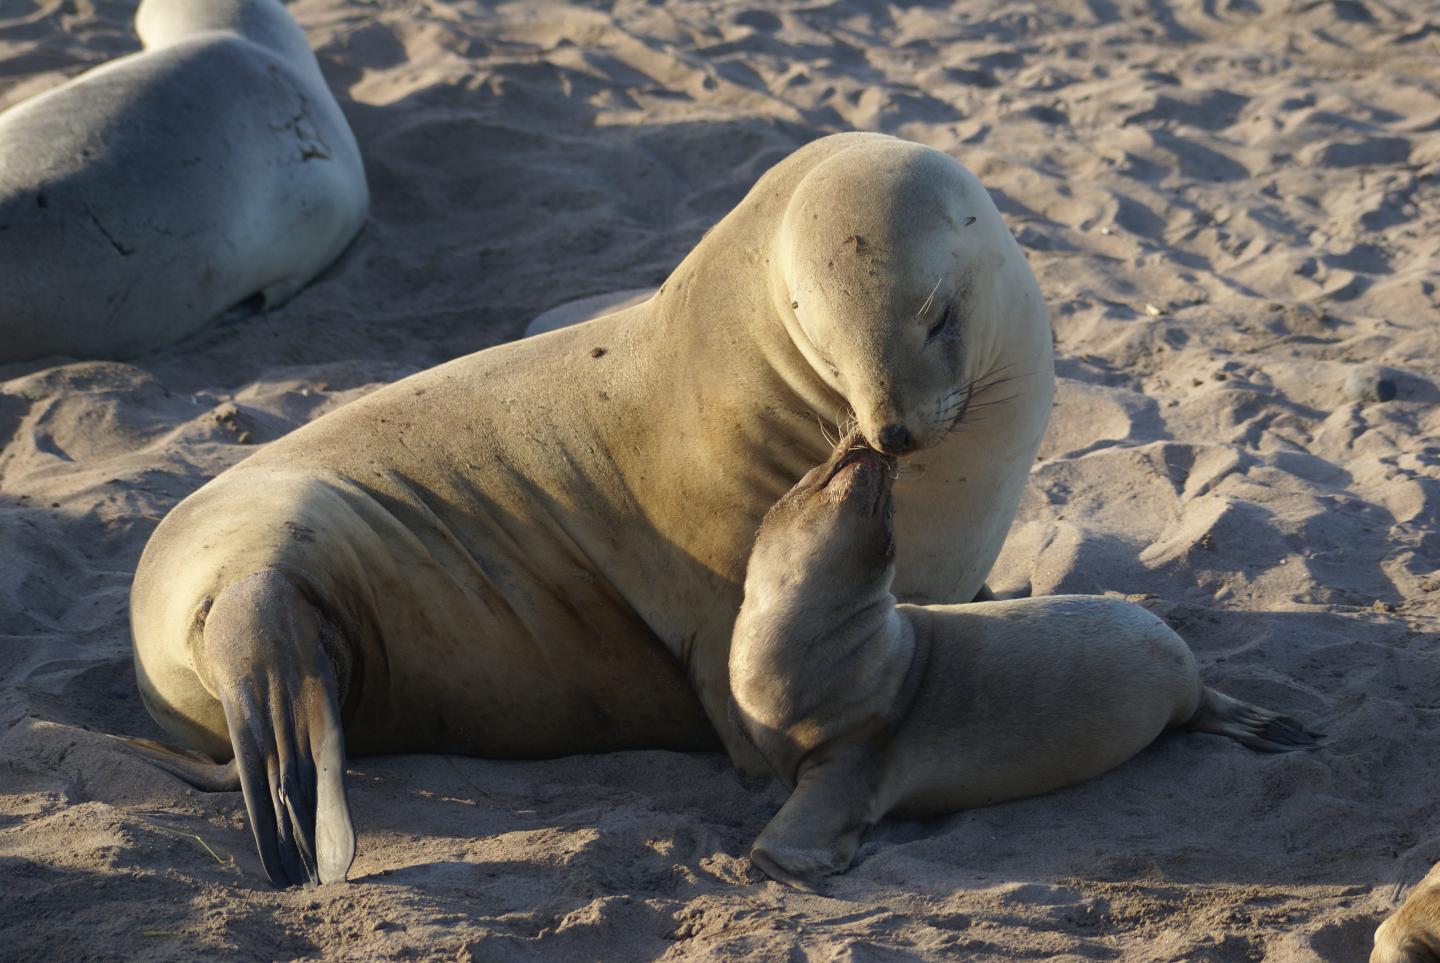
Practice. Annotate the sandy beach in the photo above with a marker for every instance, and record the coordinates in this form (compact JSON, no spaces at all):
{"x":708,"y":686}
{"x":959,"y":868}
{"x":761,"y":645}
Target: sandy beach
{"x":1232,"y":209}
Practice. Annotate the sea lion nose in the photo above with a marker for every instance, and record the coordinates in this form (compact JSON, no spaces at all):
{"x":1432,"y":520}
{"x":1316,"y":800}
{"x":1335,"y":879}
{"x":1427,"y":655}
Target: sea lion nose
{"x":894,"y":439}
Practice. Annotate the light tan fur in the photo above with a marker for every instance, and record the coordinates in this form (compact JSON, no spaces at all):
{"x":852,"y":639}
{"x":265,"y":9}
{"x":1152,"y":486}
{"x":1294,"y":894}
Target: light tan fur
{"x":539,"y":549}
{"x":1412,"y":933}
{"x":147,"y":196}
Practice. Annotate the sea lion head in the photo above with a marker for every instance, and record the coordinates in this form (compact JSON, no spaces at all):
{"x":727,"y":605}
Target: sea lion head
{"x":161,"y":23}
{"x":832,"y":534}
{"x":897,"y":267}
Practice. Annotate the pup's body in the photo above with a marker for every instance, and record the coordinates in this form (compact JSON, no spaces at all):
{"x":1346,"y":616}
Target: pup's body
{"x":864,"y":707}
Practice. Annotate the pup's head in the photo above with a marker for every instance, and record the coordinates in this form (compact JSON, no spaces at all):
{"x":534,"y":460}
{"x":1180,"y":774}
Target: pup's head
{"x":833,"y":532}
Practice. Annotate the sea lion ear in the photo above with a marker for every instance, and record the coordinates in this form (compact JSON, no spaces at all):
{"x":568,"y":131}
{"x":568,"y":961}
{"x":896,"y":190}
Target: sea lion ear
{"x":808,"y":480}
{"x":786,"y":503}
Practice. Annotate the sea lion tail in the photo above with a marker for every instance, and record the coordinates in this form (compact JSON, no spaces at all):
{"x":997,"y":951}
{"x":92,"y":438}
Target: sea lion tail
{"x":1250,"y":725}
{"x":187,"y":765}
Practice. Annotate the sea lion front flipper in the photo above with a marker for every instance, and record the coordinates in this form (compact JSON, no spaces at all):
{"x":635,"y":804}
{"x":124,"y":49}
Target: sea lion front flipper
{"x":818,"y":829}
{"x":264,"y":659}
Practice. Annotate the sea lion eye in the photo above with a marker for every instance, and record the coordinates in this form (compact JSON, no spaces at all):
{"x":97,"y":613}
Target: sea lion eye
{"x":942,"y":326}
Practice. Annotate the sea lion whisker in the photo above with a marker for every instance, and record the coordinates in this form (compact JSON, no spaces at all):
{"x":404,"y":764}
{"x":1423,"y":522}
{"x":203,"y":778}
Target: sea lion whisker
{"x":981,"y":389}
{"x":990,"y":378}
{"x":989,"y":401}
{"x":957,"y":401}
{"x":983,"y":385}
{"x":991,"y":404}
{"x":964,"y":403}
{"x":825,"y":430}
{"x":967,"y":417}
{"x":930,"y":299}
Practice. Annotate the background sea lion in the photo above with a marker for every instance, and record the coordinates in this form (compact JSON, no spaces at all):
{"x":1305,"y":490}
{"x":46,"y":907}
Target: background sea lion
{"x":586,"y":309}
{"x":864,"y":707}
{"x":538,"y":549}
{"x":147,"y":196}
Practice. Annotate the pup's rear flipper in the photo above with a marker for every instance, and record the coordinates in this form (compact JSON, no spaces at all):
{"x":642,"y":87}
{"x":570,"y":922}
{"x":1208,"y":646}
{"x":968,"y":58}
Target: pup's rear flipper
{"x":1250,"y":725}
{"x":195,"y":768}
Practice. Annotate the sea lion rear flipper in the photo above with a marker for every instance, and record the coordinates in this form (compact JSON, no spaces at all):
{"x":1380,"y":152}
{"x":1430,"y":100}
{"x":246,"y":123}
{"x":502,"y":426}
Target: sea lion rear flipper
{"x":1250,"y":725}
{"x":265,"y":660}
{"x":818,"y":829}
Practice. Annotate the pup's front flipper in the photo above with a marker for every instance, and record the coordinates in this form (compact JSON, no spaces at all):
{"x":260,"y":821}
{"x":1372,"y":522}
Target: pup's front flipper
{"x":263,"y":655}
{"x":818,"y":829}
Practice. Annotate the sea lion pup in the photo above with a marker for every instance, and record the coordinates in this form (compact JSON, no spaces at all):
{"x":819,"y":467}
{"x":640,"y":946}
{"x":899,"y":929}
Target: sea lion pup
{"x":538,"y":549}
{"x":150,"y":194}
{"x":864,"y":707}
{"x":1412,"y":933}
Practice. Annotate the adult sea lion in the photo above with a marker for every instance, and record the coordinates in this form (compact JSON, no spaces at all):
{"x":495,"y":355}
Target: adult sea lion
{"x":864,"y":707}
{"x":538,"y":549}
{"x":147,"y":196}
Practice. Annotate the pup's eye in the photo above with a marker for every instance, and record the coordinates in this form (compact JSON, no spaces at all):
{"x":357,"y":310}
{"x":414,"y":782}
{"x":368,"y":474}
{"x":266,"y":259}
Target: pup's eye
{"x":942,"y":326}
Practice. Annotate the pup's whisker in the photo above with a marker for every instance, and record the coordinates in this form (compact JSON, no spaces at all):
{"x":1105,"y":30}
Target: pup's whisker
{"x":825,"y":430}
